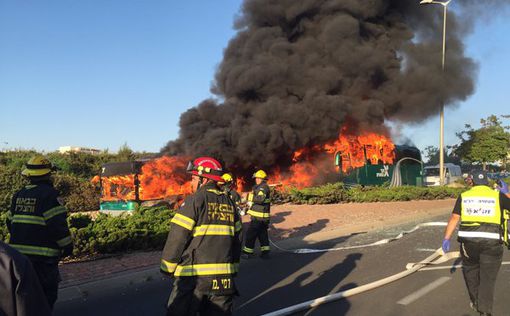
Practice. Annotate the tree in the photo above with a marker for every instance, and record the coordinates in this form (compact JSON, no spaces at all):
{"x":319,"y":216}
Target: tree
{"x":125,"y":153}
{"x":432,"y":155}
{"x":489,"y":143}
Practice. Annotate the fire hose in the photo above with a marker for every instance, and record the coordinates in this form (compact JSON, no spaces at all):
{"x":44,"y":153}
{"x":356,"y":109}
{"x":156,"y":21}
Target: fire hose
{"x":437,"y":257}
{"x":377,"y":243}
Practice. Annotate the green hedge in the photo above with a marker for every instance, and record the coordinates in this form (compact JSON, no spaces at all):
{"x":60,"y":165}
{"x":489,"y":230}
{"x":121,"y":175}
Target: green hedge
{"x":146,"y":228}
{"x":338,"y":193}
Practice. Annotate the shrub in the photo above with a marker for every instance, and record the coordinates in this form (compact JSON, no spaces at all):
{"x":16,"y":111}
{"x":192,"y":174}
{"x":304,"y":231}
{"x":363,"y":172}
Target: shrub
{"x":4,"y":233}
{"x":11,"y":181}
{"x":146,"y":228}
{"x":338,"y":193}
{"x":78,"y":195}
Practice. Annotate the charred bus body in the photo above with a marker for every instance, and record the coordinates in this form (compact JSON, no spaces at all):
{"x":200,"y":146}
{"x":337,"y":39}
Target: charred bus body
{"x":123,"y":188}
{"x":405,"y":167}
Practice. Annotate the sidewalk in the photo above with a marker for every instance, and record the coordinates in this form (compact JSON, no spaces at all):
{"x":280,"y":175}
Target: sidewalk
{"x":292,"y":223}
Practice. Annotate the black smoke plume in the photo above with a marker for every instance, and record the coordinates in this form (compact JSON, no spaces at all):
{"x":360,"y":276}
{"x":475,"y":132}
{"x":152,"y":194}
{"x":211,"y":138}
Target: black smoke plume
{"x":298,"y":71}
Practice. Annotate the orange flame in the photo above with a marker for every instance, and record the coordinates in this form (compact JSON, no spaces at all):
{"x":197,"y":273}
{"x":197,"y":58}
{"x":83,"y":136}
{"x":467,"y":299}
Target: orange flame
{"x":159,"y":178}
{"x":163,"y":177}
{"x":354,"y":152}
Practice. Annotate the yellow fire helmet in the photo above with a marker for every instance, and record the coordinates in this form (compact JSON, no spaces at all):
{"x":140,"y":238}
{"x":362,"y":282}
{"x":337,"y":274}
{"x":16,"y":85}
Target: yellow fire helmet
{"x":227,"y":178}
{"x":260,"y":174}
{"x":37,"y":166}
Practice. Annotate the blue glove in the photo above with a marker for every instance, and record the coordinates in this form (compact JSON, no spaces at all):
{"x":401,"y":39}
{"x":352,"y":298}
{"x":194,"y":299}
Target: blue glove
{"x":502,"y":186}
{"x":446,"y":245}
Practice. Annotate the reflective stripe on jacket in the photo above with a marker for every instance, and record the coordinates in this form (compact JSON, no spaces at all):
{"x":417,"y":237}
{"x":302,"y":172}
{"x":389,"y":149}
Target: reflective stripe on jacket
{"x":481,"y":215}
{"x":261,"y":198}
{"x":37,"y":222}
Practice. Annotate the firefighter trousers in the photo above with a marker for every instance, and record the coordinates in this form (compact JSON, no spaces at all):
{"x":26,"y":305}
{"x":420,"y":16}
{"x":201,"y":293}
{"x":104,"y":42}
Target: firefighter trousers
{"x":187,"y":299}
{"x":480,"y":265}
{"x":49,"y":277}
{"x":257,"y":229}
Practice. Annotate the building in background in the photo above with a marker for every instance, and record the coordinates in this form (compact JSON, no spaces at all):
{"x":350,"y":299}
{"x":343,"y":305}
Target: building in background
{"x":69,"y":149}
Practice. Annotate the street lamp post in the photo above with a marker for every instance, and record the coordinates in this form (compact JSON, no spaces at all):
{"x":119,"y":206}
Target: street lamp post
{"x":441,"y":112}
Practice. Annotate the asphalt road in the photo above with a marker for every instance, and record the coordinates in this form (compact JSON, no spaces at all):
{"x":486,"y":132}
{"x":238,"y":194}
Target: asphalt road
{"x":287,"y":279}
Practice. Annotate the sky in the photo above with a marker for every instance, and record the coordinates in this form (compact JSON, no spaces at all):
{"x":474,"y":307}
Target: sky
{"x":105,"y":73}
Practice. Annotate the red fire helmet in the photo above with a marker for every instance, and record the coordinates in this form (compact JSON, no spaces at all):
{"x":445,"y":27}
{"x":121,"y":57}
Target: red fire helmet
{"x":206,"y":167}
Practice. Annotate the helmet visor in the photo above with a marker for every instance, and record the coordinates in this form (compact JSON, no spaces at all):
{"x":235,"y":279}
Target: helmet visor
{"x":190,"y":167}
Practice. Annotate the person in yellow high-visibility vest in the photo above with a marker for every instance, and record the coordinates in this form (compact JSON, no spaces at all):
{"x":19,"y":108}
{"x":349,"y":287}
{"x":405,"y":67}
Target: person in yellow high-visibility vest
{"x":480,"y":212}
{"x":260,"y":204}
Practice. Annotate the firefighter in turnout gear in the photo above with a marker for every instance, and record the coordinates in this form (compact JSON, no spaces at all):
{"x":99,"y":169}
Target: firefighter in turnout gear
{"x":37,"y":222}
{"x":480,"y":212}
{"x":228,"y":185}
{"x":259,"y":206}
{"x":203,"y":247}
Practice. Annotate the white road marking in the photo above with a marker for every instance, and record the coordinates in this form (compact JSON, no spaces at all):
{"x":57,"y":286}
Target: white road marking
{"x":423,"y":291}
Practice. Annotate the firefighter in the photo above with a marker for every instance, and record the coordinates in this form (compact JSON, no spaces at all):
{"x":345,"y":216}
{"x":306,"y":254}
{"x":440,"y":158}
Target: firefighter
{"x":22,"y":294}
{"x":37,"y":222}
{"x":480,"y":212}
{"x":228,"y":185}
{"x":259,"y":200}
{"x":203,"y":248}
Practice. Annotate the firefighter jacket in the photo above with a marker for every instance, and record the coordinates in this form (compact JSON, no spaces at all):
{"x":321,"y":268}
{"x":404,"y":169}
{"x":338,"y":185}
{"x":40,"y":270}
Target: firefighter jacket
{"x":261,"y":199}
{"x":481,"y":215}
{"x":204,"y":238}
{"x":22,"y":294}
{"x":235,"y":197}
{"x":37,"y":223}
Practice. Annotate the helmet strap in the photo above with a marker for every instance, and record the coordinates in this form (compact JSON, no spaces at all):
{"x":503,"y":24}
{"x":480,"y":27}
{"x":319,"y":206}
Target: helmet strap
{"x":200,"y":182}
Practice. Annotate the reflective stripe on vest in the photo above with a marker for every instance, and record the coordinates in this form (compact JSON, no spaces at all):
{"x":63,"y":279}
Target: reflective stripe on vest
{"x":475,"y":234}
{"x":183,"y":221}
{"x":28,"y":219}
{"x":54,"y":212}
{"x":216,"y":230}
{"x":35,"y":250}
{"x":259,"y":214}
{"x":168,"y":266}
{"x":205,"y":269}
{"x":64,"y":241}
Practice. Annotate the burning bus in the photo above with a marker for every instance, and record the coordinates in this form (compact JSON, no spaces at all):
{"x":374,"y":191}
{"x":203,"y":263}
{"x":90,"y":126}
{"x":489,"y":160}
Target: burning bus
{"x":366,"y":159}
{"x":127,"y":185}
{"x":373,"y":159}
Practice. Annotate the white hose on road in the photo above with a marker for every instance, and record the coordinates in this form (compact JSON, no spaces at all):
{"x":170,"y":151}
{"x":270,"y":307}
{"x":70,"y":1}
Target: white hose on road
{"x":377,"y":243}
{"x":437,"y":255}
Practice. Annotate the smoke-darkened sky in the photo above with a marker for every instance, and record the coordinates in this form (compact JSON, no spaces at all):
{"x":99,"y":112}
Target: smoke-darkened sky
{"x":298,"y":71}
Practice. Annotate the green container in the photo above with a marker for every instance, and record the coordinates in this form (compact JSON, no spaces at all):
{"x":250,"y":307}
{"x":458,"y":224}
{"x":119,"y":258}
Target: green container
{"x":118,"y":206}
